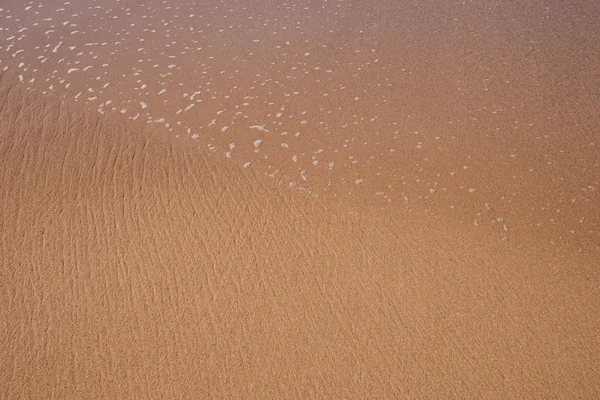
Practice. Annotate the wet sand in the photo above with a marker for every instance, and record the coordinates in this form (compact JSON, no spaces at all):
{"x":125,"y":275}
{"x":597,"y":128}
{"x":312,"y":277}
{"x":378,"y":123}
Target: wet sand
{"x":310,"y":200}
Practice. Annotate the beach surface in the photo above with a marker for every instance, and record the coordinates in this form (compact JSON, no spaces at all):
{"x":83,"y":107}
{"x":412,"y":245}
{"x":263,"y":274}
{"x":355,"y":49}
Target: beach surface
{"x":322,"y":199}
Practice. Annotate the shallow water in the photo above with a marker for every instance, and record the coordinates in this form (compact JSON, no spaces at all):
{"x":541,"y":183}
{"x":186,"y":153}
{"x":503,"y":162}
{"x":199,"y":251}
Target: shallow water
{"x":489,"y":114}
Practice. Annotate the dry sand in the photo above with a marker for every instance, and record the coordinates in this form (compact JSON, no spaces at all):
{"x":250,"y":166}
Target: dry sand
{"x":328,"y":200}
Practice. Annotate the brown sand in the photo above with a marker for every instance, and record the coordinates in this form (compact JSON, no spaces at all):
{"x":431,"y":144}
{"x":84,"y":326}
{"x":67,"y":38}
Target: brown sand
{"x":132,"y":268}
{"x":420,"y":220}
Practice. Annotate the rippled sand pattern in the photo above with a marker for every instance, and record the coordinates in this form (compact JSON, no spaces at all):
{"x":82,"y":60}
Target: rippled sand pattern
{"x":316,"y":198}
{"x":133,"y":268}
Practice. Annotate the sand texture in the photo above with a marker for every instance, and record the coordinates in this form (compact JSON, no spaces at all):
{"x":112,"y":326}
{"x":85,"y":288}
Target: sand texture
{"x":313,"y":199}
{"x":132,"y":269}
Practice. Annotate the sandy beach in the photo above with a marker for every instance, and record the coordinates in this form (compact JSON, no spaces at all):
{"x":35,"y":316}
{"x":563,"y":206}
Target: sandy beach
{"x":319,"y":199}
